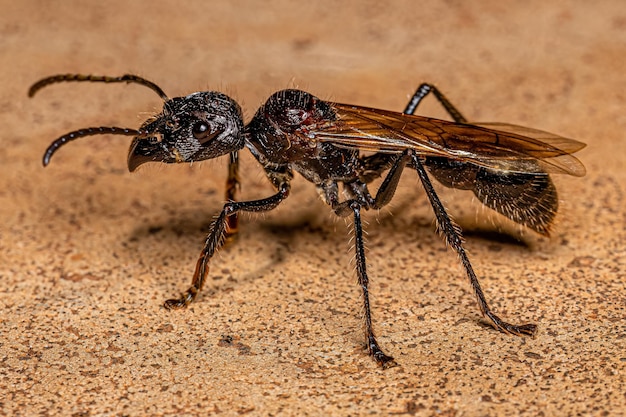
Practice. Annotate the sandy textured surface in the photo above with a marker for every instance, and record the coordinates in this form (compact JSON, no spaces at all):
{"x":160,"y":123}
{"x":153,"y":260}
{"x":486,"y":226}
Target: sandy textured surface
{"x":88,"y":251}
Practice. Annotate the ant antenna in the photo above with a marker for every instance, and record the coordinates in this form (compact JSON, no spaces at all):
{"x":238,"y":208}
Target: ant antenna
{"x":128,"y":78}
{"x":91,"y":131}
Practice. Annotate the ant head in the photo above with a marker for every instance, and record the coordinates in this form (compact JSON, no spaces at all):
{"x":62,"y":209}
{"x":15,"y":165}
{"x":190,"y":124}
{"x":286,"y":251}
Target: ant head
{"x":200,"y":126}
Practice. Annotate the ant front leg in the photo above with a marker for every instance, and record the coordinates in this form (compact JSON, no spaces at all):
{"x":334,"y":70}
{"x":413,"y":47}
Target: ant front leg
{"x":422,"y":91}
{"x":216,"y":237}
{"x":452,"y":234}
{"x":232,"y":186}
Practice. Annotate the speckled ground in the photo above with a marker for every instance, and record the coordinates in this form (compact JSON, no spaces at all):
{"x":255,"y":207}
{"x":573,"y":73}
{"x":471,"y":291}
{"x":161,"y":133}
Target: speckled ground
{"x":88,"y":252}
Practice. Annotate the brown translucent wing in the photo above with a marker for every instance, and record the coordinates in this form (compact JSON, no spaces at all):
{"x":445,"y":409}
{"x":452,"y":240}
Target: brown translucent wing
{"x":497,"y":146}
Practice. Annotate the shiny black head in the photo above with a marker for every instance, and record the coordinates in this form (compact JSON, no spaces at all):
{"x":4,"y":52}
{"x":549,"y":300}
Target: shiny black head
{"x":199,"y":126}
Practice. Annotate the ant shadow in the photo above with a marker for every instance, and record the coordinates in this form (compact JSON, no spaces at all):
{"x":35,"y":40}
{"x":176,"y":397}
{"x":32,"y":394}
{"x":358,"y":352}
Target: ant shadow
{"x":188,"y":231}
{"x":278,"y":236}
{"x":497,"y":231}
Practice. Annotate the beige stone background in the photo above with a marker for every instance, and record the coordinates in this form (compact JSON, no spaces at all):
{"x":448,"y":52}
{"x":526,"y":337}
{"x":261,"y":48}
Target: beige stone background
{"x":88,"y":252}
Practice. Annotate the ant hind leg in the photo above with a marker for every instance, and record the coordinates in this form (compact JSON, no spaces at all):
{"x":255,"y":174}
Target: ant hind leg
{"x":422,"y":91}
{"x":452,"y":234}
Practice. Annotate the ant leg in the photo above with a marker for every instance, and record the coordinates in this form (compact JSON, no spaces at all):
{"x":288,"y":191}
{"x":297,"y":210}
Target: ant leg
{"x":215,"y":240}
{"x":374,"y":349}
{"x":452,"y":234}
{"x":232,"y":186}
{"x":388,"y":188}
{"x":422,"y":91}
{"x":376,"y":164}
{"x":395,"y":164}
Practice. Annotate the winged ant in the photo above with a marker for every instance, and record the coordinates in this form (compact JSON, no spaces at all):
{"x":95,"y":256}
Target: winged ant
{"x":331,"y":144}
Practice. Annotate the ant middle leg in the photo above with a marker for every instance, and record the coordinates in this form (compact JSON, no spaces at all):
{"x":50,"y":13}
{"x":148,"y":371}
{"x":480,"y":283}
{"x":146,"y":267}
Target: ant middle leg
{"x":383,"y":196}
{"x":384,"y":360}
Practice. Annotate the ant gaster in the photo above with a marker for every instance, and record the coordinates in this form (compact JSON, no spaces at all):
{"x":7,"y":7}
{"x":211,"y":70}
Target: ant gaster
{"x":331,"y":144}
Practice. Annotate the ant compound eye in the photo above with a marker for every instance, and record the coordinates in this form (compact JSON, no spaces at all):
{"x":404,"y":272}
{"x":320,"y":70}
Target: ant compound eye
{"x":202,"y":131}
